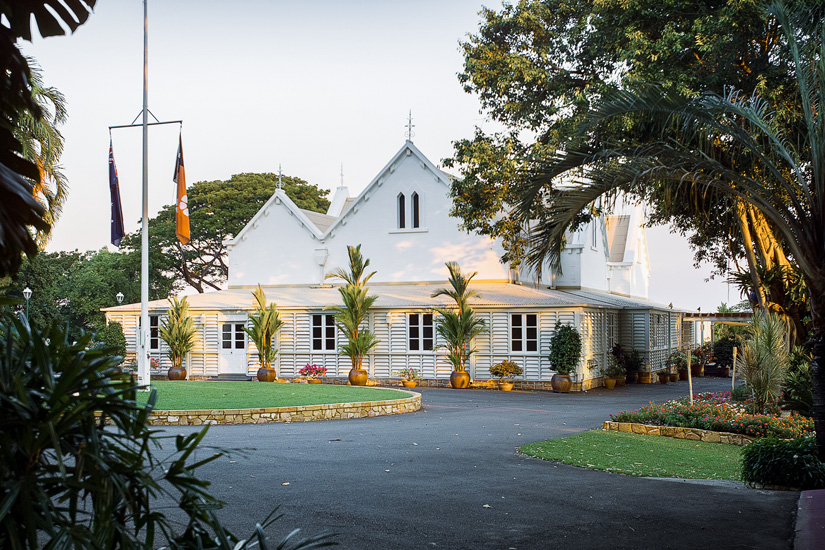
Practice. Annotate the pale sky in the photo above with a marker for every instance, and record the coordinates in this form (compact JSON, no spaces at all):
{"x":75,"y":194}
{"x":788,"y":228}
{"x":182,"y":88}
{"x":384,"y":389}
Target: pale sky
{"x":308,"y":85}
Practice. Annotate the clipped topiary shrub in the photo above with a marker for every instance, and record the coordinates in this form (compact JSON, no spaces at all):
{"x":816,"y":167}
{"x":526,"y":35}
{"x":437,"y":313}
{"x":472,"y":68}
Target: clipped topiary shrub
{"x":565,"y":348}
{"x":789,"y":463}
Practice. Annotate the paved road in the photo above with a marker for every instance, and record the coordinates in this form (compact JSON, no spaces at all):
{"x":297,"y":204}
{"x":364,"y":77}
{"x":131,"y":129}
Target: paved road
{"x":422,"y":480}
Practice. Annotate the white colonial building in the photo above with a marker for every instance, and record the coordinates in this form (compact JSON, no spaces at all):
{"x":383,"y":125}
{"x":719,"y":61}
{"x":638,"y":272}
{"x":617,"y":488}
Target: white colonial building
{"x":402,"y":222}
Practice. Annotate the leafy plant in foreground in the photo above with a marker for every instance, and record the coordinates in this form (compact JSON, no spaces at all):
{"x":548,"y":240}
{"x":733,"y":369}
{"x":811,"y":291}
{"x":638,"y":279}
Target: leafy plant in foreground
{"x":790,"y":463}
{"x":79,"y":466}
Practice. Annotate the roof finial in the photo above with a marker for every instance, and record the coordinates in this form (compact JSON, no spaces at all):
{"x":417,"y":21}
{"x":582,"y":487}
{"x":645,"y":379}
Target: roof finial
{"x":410,"y":126}
{"x":342,"y":175}
{"x":280,"y":178}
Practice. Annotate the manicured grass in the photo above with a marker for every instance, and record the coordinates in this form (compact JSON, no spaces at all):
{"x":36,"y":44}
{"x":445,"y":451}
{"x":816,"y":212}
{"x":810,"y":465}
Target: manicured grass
{"x":640,"y":455}
{"x":189,"y":395}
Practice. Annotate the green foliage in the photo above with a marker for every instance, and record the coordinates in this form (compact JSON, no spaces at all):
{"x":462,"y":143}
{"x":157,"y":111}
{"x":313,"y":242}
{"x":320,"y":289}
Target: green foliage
{"x":506,"y":369}
{"x":218,"y":211}
{"x":265,"y":324}
{"x":723,"y":350}
{"x":565,"y":349}
{"x":72,"y":287}
{"x":178,"y":330}
{"x":722,"y":330}
{"x":788,"y":463}
{"x":741,"y":393}
{"x":460,"y":325}
{"x":797,"y":394}
{"x":408,"y":373}
{"x":112,"y":338}
{"x":72,"y":479}
{"x":614,"y":369}
{"x":679,"y":359}
{"x":354,"y":312}
{"x":764,"y":359}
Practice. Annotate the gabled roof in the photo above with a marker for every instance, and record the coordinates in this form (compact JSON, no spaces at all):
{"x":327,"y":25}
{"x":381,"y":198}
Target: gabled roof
{"x":352,"y":205}
{"x":280,"y":197}
{"x":321,"y":221}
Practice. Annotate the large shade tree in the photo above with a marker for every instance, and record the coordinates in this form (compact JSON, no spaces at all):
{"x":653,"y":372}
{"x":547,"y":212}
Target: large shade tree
{"x":778,"y":168}
{"x":218,"y":210}
{"x":538,"y":66}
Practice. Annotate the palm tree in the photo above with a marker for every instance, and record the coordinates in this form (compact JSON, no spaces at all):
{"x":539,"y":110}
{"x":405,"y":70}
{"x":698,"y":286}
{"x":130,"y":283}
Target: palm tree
{"x":762,"y":163}
{"x":350,"y":316}
{"x":765,"y":358}
{"x":458,"y":326}
{"x":265,"y":324}
{"x":178,"y":330}
{"x":43,"y":144}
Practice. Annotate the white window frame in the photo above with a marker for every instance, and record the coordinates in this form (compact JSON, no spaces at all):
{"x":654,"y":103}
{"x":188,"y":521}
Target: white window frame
{"x":233,"y":334}
{"x":523,"y":340}
{"x":415,"y":210}
{"x":401,"y":209}
{"x":421,"y":326}
{"x":154,"y":332}
{"x":327,"y":324}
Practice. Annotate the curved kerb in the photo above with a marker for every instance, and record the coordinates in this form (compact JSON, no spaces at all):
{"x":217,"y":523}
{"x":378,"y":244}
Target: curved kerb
{"x":331,"y":411}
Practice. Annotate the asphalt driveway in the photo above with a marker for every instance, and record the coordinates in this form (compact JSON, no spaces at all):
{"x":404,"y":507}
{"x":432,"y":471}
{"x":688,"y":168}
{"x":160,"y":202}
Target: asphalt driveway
{"x":449,"y":476}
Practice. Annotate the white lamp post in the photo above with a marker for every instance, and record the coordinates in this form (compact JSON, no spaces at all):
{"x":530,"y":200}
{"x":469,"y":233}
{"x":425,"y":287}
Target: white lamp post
{"x":27,"y":293}
{"x":119,"y":297}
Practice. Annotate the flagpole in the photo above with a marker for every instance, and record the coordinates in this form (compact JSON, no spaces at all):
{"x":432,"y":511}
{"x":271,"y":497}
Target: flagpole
{"x":143,"y":352}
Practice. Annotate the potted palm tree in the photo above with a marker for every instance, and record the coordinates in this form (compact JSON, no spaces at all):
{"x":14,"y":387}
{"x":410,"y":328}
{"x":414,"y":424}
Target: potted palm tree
{"x":458,"y":326}
{"x":178,"y":331}
{"x":565,"y":350}
{"x":350,"y":316}
{"x":265,"y":324}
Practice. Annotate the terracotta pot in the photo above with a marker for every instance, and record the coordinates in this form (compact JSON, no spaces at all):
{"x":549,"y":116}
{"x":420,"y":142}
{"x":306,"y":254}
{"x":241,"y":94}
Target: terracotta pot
{"x":683,"y":374}
{"x":609,"y":383}
{"x":358,"y":377}
{"x":267,"y":375}
{"x":674,"y":376}
{"x":177,"y":373}
{"x":697,"y":370}
{"x":664,"y":378}
{"x":561,"y":383}
{"x":632,"y":377}
{"x":621,"y":381}
{"x":460,"y":380}
{"x":409,"y":383}
{"x":314,"y":381}
{"x":505,"y":385}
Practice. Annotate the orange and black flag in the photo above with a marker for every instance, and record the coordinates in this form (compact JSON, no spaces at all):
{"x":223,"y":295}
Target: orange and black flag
{"x":182,"y":205}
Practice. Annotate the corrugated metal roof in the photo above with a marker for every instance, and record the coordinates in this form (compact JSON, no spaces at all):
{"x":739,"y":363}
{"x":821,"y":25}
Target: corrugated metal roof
{"x":402,"y":296}
{"x":621,"y":302}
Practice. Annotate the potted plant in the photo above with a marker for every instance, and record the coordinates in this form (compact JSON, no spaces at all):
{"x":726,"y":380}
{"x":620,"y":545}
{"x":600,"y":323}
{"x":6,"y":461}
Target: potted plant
{"x":313,"y":373}
{"x":353,"y":314}
{"x":613,"y":372}
{"x":631,"y":373}
{"x":178,"y":331}
{"x":703,"y":355}
{"x":679,"y":360}
{"x":664,"y":376}
{"x":265,"y":324}
{"x":505,"y":371}
{"x":565,"y":350}
{"x":409,"y":377}
{"x":458,"y":326}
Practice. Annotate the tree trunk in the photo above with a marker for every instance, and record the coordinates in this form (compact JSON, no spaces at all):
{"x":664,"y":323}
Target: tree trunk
{"x":744,"y":226}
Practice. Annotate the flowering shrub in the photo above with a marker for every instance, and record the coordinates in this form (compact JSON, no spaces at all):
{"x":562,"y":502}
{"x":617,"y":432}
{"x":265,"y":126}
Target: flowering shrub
{"x":313,"y":371}
{"x":154,"y":364}
{"x":715,"y":411}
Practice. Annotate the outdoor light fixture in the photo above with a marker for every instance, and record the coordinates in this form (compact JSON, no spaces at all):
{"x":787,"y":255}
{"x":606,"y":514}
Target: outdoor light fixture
{"x":119,"y":297}
{"x":27,"y":293}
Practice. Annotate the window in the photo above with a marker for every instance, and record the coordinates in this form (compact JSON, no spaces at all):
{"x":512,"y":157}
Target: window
{"x":154,"y":335}
{"x":415,"y":216}
{"x":323,"y":332}
{"x":402,"y":211}
{"x":420,"y":331}
{"x":233,"y":336}
{"x":524,"y":334}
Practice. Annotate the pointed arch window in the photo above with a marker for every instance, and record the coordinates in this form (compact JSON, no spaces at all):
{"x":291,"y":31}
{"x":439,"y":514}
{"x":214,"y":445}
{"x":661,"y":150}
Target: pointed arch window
{"x":415,"y":215}
{"x":402,"y":211}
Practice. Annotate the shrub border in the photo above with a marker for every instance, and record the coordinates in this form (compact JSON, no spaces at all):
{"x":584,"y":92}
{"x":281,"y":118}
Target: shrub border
{"x":678,"y":432}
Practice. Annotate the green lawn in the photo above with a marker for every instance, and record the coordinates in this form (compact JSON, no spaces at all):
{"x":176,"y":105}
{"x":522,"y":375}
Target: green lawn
{"x":188,"y":395}
{"x":640,"y":455}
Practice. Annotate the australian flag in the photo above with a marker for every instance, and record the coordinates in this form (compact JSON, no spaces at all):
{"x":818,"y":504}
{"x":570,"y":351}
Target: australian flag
{"x":114,"y":192}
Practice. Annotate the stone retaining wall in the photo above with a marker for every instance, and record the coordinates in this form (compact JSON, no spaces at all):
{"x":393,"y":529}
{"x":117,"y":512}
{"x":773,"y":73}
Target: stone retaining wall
{"x":693,"y":434}
{"x":335,"y":411}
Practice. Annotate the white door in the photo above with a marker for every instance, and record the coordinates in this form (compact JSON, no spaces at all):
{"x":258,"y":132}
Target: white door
{"x":233,"y":348}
